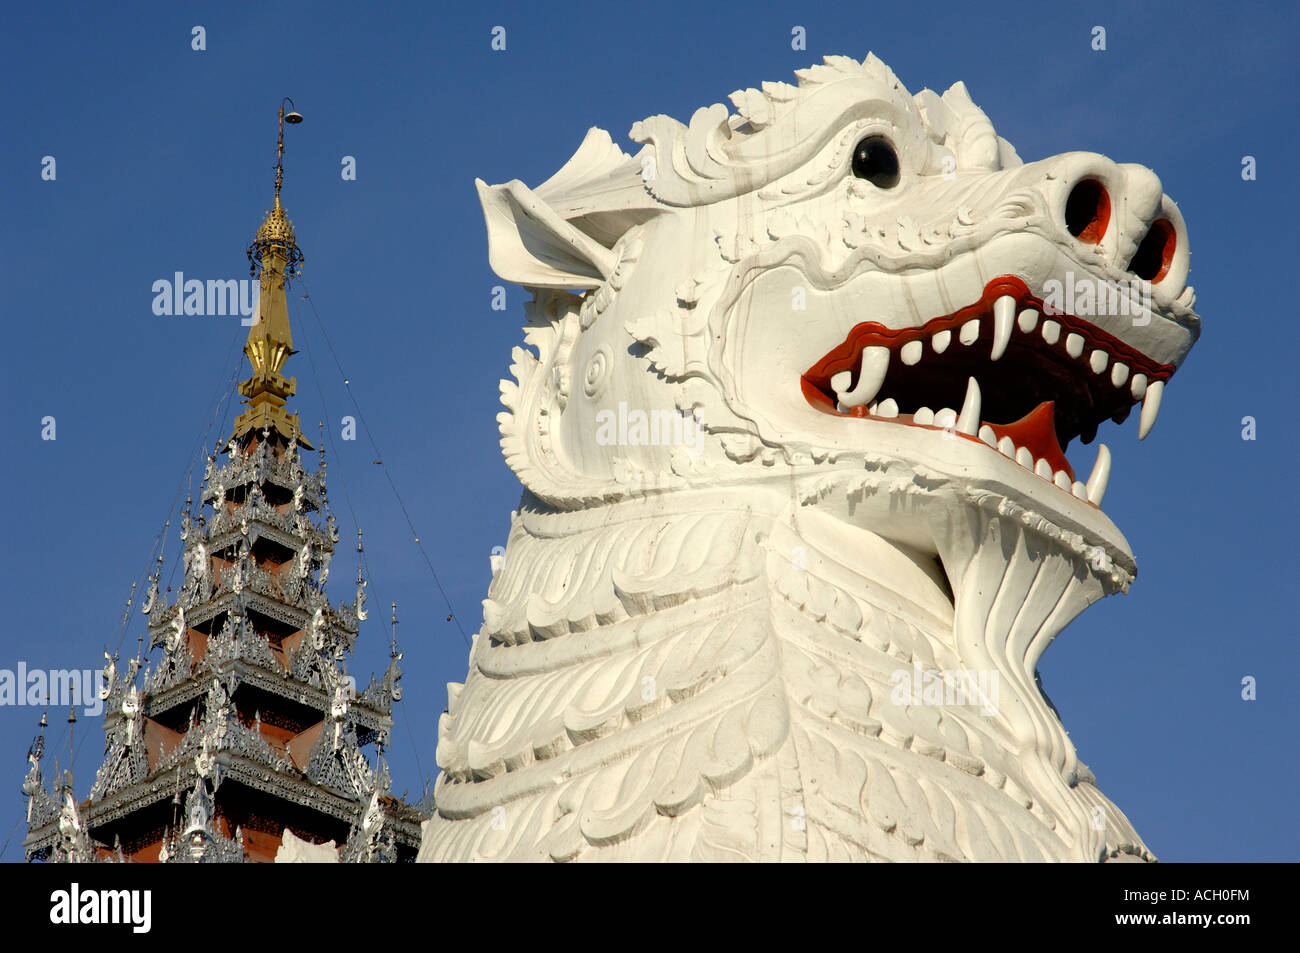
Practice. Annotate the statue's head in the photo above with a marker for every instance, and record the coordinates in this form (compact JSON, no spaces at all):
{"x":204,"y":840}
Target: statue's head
{"x":843,"y":282}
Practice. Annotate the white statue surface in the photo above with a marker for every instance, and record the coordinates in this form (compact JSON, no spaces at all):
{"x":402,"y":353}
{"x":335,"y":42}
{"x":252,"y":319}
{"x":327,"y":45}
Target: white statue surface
{"x":797,"y":522}
{"x":295,"y":850}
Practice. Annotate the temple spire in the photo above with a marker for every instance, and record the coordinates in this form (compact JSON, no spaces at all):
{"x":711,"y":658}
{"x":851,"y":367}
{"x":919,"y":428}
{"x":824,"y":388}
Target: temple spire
{"x":249,"y":723}
{"x":270,"y":342}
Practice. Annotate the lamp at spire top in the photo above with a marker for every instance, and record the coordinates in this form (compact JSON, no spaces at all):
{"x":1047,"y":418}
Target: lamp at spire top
{"x":276,"y":234}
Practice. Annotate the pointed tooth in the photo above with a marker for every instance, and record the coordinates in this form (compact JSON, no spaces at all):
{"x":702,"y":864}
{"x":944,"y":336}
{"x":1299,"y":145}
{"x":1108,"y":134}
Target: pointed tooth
{"x":987,"y":435}
{"x":1051,"y":332}
{"x":1118,"y":374}
{"x":1074,"y":345}
{"x":1138,"y":387}
{"x":1028,"y":320}
{"x":1062,"y":479}
{"x":871,"y":374}
{"x":873,"y":407}
{"x":1007,"y":448}
{"x":1098,"y":360}
{"x":1004,"y":319}
{"x":1079,"y":489}
{"x":940,"y":341}
{"x":1043,"y":469}
{"x":1100,"y":476}
{"x":1150,"y":408}
{"x":911,"y":352}
{"x":970,"y":331}
{"x":1024,"y":458}
{"x":887,"y":408}
{"x":969,"y":420}
{"x":923,"y":416}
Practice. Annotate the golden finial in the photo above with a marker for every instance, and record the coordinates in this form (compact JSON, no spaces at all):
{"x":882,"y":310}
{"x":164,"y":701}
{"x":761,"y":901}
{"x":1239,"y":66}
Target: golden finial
{"x":277,"y":230}
{"x":270,"y":342}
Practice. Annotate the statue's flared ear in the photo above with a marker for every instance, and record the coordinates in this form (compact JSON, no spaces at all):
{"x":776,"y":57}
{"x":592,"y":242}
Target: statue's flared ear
{"x":531,"y":245}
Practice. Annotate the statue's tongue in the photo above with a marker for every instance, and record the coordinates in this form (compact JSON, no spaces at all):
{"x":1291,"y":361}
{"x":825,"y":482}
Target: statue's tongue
{"x":1036,"y":432}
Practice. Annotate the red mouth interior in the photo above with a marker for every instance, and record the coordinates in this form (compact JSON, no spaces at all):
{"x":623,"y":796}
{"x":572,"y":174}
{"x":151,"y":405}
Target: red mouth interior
{"x":1036,"y":394}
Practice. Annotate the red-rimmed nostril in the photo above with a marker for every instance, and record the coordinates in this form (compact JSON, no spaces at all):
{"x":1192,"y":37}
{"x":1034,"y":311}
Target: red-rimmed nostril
{"x":1087,"y":211}
{"x":1153,"y":256}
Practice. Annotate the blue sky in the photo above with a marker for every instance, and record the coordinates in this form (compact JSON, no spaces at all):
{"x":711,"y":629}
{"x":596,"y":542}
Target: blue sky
{"x":165,"y":163}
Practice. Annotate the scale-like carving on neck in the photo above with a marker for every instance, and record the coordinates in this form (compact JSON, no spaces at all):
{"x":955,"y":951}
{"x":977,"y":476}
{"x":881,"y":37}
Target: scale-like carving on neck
{"x":642,"y":663}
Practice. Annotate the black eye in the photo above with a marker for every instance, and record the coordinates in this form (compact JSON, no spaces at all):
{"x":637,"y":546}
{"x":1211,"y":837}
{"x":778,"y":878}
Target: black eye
{"x":875,"y":160}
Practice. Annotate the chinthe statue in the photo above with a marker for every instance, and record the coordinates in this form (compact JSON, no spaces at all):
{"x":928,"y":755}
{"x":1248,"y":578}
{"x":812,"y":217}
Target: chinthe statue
{"x":798,"y":521}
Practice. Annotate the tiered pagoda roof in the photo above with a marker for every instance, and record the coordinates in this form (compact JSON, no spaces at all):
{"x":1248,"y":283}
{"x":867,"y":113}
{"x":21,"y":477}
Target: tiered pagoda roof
{"x":248,"y":728}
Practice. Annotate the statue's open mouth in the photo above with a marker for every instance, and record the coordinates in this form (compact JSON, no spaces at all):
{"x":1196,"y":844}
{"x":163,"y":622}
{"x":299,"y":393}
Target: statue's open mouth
{"x":1006,"y":370}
